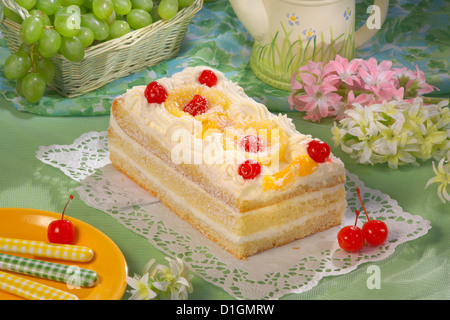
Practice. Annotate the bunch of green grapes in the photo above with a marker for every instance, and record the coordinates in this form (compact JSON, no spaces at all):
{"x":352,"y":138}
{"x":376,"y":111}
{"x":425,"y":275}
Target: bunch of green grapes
{"x":68,"y":27}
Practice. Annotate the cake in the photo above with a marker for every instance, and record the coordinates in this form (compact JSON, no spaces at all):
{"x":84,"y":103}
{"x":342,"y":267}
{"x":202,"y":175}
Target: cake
{"x":241,"y":175}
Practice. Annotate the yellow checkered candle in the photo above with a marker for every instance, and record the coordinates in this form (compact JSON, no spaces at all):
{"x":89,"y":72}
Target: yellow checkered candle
{"x":47,"y":250}
{"x":31,"y":290}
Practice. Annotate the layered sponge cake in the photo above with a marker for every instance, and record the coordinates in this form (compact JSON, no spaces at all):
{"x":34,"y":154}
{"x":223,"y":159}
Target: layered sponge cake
{"x":244,"y":177}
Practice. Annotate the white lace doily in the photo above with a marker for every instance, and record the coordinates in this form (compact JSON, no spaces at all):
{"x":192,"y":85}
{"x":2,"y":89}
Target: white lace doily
{"x":292,"y":268}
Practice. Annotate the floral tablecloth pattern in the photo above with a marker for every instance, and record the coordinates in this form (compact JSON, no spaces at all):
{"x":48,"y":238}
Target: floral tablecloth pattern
{"x":416,"y":32}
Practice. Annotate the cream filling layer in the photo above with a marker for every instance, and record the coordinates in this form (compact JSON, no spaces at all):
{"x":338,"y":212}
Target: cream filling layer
{"x":226,"y":233}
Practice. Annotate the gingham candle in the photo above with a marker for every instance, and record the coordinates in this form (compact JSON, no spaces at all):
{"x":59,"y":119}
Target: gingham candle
{"x":31,"y":290}
{"x":47,"y":250}
{"x":72,"y":275}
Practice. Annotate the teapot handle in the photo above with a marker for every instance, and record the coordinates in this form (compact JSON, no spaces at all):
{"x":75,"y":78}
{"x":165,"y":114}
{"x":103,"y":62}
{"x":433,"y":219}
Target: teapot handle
{"x":365,"y":33}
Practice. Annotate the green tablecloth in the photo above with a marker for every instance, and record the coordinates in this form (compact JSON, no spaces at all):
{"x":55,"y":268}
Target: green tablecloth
{"x":418,"y":269}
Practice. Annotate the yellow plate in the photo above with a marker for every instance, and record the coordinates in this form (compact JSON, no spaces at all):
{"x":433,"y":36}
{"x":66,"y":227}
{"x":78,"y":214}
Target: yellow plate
{"x":108,"y":261}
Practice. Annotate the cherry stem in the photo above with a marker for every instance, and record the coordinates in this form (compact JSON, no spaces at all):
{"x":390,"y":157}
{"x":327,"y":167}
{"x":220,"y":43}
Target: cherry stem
{"x":359,"y":196}
{"x":64,"y":210}
{"x":357,"y":215}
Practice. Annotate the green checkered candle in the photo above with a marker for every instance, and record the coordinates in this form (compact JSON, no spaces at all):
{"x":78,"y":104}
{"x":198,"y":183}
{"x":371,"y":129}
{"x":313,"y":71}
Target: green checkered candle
{"x":72,"y":275}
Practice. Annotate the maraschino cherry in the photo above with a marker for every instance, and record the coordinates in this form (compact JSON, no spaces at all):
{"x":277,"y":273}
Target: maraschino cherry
{"x":251,"y":144}
{"x":208,"y":78}
{"x":319,"y":151}
{"x":350,"y":238}
{"x":249,"y":169}
{"x":375,"y":231}
{"x":61,"y":231}
{"x":155,"y":93}
{"x":197,"y":106}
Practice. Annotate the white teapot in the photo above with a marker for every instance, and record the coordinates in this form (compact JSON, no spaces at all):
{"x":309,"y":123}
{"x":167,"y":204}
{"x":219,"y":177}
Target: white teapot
{"x":289,"y":33}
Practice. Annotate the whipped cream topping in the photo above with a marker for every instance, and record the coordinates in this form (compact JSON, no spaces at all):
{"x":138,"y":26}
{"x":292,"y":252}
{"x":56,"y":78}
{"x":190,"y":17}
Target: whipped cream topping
{"x":182,"y":135}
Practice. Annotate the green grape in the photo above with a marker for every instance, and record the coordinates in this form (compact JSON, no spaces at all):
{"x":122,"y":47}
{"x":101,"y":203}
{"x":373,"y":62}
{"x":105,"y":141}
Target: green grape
{"x":32,"y":29}
{"x":111,"y":18}
{"x":25,"y":47}
{"x":49,"y":7}
{"x":154,"y":13}
{"x":27,"y":4}
{"x":66,"y":3}
{"x":98,"y":26}
{"x":72,"y":49}
{"x":41,"y":15}
{"x":88,"y":4}
{"x":184,"y":3}
{"x":86,"y":36}
{"x":11,"y":15}
{"x":61,"y":10}
{"x":19,"y":87}
{"x":49,"y":43}
{"x":33,"y":86}
{"x":102,"y":8}
{"x":72,"y":9}
{"x":138,"y":18}
{"x":46,"y":68}
{"x":118,"y":28}
{"x":29,"y":49}
{"x":122,"y":7}
{"x":168,"y":9}
{"x":145,"y":5}
{"x":67,"y":24}
{"x":17,"y":65}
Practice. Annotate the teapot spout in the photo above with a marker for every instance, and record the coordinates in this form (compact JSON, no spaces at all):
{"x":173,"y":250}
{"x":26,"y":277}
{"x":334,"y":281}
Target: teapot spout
{"x":253,"y":15}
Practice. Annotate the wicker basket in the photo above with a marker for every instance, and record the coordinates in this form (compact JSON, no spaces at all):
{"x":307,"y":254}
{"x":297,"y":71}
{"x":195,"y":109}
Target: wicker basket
{"x":113,"y":59}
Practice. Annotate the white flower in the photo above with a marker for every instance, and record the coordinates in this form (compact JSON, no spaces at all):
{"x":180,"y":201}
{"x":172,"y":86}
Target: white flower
{"x":432,"y":137}
{"x":401,"y":158}
{"x":393,"y":110}
{"x":364,"y":149}
{"x":173,"y":281}
{"x":338,"y":134}
{"x":360,"y":120}
{"x":141,"y":289}
{"x":417,"y":116}
{"x":397,"y":132}
{"x":442,"y":176}
{"x":162,"y":282}
{"x":390,"y":138}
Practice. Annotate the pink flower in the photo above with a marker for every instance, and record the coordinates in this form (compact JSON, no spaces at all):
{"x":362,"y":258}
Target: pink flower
{"x":312,"y":73}
{"x":339,"y":110}
{"x":424,"y":86}
{"x":414,"y":83}
{"x":328,"y":89}
{"x":317,"y":100}
{"x":340,"y":70}
{"x":312,"y":67}
{"x":295,"y":85}
{"x":376,"y":77}
{"x":390,"y":92}
{"x":364,"y":99}
{"x":379,"y":79}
